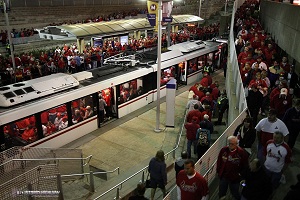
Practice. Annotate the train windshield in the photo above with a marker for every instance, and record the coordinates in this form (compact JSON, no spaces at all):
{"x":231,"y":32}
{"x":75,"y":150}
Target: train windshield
{"x":28,"y":89}
{"x":9,"y":95}
{"x":19,"y":92}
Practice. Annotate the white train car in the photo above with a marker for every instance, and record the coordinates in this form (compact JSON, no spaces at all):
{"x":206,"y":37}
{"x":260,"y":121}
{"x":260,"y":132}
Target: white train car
{"x":60,"y":118}
{"x":17,"y":93}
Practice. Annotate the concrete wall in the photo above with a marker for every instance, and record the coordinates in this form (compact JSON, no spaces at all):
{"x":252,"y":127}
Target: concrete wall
{"x":282,"y":20}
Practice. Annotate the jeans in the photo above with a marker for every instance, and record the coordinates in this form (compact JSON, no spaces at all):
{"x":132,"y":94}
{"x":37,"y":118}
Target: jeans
{"x":275,"y":178}
{"x":234,"y":188}
{"x":243,"y":198}
{"x":260,"y":154}
{"x":189,"y":145}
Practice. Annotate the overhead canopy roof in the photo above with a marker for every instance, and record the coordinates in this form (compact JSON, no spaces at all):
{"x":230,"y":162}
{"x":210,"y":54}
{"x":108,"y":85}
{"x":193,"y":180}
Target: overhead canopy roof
{"x":119,"y":26}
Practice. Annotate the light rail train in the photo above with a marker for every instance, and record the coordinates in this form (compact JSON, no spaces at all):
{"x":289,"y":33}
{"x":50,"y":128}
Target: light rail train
{"x":62,"y":117}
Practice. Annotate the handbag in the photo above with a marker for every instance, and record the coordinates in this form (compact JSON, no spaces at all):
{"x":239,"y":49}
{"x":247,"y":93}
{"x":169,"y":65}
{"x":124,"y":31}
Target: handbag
{"x":148,"y":182}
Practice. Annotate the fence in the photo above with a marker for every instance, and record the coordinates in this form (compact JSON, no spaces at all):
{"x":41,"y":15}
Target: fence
{"x":34,"y":3}
{"x":24,"y":40}
{"x":37,"y":183}
{"x":17,"y":160}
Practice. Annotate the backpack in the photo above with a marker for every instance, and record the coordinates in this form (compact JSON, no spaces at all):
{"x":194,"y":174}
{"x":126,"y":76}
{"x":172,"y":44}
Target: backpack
{"x":203,"y":137}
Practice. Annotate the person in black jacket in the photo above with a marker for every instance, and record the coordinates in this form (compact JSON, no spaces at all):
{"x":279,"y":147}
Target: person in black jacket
{"x":246,"y":133}
{"x":139,"y":193}
{"x":294,"y":192}
{"x":254,"y":101}
{"x":222,"y":105}
{"x":158,"y":173}
{"x":256,"y":185}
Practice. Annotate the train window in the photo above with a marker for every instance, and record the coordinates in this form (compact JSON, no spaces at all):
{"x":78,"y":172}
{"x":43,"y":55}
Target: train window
{"x":19,"y":92}
{"x":130,"y":90}
{"x":4,"y":88}
{"x":28,"y":89}
{"x":22,"y":132}
{"x":82,"y":109}
{"x":54,"y":120}
{"x":193,"y":65}
{"x":9,"y":95}
{"x":166,"y":75}
{"x":18,"y":84}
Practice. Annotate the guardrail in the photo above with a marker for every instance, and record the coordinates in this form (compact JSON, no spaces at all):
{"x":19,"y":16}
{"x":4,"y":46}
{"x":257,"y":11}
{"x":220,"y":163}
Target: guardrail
{"x":119,"y":185}
{"x":46,"y":159}
{"x":91,"y":176}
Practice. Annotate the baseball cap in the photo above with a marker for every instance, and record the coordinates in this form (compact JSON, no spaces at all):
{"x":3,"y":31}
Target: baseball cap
{"x":283,"y":91}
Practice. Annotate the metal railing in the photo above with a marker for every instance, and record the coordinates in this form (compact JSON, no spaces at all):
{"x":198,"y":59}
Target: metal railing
{"x":91,"y":176}
{"x":33,"y":183}
{"x":119,"y":185}
{"x":46,"y":159}
{"x":30,"y":3}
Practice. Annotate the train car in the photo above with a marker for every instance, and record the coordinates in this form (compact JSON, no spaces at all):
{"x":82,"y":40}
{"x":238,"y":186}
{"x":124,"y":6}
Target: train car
{"x":63,"y":117}
{"x":17,"y":93}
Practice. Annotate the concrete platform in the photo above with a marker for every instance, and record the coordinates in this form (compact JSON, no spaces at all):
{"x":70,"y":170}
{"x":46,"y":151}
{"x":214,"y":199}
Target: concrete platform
{"x":129,"y":143}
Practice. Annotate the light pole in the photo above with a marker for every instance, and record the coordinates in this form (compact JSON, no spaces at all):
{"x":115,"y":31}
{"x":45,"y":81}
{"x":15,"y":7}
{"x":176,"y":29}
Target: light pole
{"x":158,"y":65}
{"x":200,"y":5}
{"x":9,"y":38}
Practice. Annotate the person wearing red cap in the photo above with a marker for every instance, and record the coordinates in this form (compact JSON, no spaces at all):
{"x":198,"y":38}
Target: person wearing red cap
{"x":191,"y":131}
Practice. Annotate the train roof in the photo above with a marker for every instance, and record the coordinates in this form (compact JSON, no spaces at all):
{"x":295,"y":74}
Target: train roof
{"x":103,"y":77}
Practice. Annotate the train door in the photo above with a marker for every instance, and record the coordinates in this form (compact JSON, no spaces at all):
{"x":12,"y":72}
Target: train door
{"x":107,"y":104}
{"x":180,"y":73}
{"x":149,"y":85}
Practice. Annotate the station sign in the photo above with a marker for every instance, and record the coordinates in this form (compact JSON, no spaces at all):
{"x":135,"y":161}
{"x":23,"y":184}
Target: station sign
{"x":167,"y":19}
{"x":152,"y":19}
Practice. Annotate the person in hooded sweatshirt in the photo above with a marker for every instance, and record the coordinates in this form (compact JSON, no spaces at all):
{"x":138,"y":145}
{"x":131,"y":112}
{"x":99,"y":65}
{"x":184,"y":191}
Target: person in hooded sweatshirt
{"x":256,"y":185}
{"x":179,"y":163}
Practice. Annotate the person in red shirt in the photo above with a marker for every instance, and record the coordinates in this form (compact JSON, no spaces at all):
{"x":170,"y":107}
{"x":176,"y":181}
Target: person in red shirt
{"x":232,"y":160}
{"x":190,"y":184}
{"x":29,"y":134}
{"x":194,"y":113}
{"x":206,"y":81}
{"x":243,"y":55}
{"x":61,"y":65}
{"x":207,"y":99}
{"x":281,"y":102}
{"x":191,"y":131}
{"x":285,"y":65}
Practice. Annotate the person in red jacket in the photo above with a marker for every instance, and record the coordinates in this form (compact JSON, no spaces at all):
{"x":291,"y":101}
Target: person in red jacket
{"x":194,"y":113}
{"x":29,"y":134}
{"x":232,"y":160}
{"x":191,"y":131}
{"x":281,"y":102}
{"x":190,"y":184}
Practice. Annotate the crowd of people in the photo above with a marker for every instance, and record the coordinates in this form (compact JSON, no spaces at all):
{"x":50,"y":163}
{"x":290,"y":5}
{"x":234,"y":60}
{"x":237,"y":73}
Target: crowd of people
{"x":32,"y":65}
{"x":269,"y":82}
{"x":250,"y":172}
